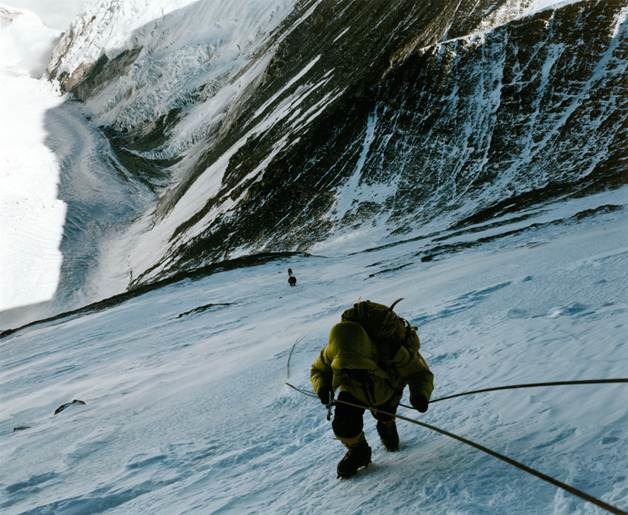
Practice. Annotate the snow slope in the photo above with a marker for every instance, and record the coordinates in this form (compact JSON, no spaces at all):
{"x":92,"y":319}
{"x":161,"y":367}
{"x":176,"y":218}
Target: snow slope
{"x":31,"y":225}
{"x":62,"y":190}
{"x":187,"y":411}
{"x":57,"y":14}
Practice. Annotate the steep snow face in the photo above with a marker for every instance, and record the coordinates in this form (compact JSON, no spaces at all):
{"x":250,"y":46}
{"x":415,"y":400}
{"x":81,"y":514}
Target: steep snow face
{"x":57,"y":14}
{"x":32,"y":215}
{"x":25,"y":42}
{"x":186,"y":409}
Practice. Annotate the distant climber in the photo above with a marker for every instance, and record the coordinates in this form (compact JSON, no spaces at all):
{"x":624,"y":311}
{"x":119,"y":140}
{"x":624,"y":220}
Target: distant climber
{"x":292,"y":280}
{"x":371,"y":355}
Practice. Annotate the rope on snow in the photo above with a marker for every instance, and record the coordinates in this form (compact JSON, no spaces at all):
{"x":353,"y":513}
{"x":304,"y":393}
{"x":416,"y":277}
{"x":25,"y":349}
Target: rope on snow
{"x":549,"y":479}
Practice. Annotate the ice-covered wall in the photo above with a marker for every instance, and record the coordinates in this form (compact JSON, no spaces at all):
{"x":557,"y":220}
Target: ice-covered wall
{"x":443,"y":135}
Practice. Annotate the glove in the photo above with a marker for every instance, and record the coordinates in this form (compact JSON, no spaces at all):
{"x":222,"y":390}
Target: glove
{"x":324,"y":394}
{"x":418,"y":402}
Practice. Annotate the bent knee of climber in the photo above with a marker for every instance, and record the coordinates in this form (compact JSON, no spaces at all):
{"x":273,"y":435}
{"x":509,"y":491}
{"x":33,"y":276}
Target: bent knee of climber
{"x":347,"y":426}
{"x":348,"y":420}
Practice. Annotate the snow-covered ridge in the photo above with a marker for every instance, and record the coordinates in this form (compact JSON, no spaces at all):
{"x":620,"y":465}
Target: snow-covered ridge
{"x":495,"y":17}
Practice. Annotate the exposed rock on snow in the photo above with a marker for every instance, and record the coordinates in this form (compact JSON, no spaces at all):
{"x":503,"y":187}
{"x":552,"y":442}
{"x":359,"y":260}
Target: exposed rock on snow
{"x":68,"y":404}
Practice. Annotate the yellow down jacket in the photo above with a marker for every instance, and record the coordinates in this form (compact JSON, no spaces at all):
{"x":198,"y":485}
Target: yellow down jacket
{"x":351,"y":362}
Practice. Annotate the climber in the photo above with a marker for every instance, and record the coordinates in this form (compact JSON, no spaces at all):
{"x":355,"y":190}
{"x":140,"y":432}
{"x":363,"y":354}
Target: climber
{"x":371,"y":355}
{"x":292,"y":280}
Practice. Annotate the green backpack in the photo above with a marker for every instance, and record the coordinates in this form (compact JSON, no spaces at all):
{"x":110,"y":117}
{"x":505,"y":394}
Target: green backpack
{"x":385,"y":328}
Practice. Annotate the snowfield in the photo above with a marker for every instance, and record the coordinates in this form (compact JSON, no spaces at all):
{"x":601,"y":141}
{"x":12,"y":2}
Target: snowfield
{"x":32,"y":219}
{"x":57,"y":14}
{"x":187,"y":411}
{"x":61,"y":188}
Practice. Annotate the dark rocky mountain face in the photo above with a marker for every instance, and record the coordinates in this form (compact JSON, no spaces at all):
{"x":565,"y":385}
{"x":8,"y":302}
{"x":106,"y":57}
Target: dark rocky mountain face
{"x":392,"y":114}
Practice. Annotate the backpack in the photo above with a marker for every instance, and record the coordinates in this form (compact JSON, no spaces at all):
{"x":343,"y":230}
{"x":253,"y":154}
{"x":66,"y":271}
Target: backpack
{"x":385,"y":328}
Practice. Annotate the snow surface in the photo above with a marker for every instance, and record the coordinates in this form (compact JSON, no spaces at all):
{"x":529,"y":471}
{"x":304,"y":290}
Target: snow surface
{"x":60,"y":192}
{"x":32,"y":219}
{"x":25,"y":42}
{"x":187,"y":411}
{"x":541,"y":5}
{"x":515,"y":9}
{"x":57,"y":14}
{"x":186,"y":46}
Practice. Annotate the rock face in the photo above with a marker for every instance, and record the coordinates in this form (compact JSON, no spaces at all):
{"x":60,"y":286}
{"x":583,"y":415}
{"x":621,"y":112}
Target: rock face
{"x":340,"y":116}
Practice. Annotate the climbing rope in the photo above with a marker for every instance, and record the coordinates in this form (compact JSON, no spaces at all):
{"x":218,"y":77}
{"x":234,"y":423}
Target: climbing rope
{"x":531,"y":385}
{"x":525,"y":385}
{"x":553,"y":481}
{"x":290,"y":356}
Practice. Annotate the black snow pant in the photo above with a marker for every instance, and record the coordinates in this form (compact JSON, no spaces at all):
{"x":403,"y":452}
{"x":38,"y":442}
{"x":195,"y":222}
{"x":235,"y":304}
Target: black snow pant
{"x":349,"y":420}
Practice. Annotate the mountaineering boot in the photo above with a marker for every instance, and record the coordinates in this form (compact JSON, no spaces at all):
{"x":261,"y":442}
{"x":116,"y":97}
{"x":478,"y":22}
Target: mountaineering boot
{"x":358,"y":456}
{"x":387,"y":430}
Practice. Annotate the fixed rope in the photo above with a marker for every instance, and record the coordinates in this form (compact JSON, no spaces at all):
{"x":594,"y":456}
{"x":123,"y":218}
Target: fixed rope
{"x":532,"y":385}
{"x":526,"y":385}
{"x":290,"y":356}
{"x":485,"y":390}
{"x":525,"y":468}
{"x":617,"y":380}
